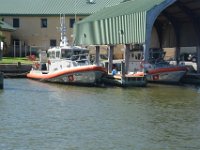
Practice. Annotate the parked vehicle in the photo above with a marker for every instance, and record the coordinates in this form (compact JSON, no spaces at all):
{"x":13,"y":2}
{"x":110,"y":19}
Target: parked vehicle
{"x":192,"y":57}
{"x":188,"y":57}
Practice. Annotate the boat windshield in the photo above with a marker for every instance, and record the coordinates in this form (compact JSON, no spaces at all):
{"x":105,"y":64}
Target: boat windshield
{"x":156,"y":55}
{"x":66,"y":53}
{"x":74,"y":54}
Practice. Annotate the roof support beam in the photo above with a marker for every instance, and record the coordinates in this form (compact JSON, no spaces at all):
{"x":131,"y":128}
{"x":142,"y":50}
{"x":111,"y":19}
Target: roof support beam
{"x":151,"y":17}
{"x":110,"y":58}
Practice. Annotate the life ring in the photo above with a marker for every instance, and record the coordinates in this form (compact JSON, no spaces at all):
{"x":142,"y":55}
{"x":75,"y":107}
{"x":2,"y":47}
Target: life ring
{"x":71,"y":78}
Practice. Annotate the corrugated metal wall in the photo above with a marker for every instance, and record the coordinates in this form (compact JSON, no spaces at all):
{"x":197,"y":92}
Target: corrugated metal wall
{"x":116,"y":30}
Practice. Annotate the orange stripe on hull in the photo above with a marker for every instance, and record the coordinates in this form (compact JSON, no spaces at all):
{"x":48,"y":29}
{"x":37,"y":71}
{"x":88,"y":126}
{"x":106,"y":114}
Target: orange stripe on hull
{"x":170,"y":69}
{"x":66,"y":71}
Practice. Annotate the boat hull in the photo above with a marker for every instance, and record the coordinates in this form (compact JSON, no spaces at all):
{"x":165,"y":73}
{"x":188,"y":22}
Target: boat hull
{"x":191,"y":78}
{"x":166,"y":75}
{"x":79,"y":75}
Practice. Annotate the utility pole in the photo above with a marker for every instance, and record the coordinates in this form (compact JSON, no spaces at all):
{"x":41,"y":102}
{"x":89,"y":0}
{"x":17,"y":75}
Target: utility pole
{"x":1,"y":80}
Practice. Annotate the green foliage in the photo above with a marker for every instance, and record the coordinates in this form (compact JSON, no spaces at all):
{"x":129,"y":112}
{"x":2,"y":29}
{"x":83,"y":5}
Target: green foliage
{"x":11,"y":60}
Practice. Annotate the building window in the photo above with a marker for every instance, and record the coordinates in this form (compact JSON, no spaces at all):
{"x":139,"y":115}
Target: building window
{"x":72,"y":21}
{"x":52,"y":43}
{"x":16,"y":22}
{"x":16,"y":42}
{"x":44,"y":23}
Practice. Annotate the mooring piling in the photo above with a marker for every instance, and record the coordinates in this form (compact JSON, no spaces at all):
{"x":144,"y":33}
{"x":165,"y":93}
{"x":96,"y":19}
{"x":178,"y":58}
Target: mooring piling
{"x":1,"y":80}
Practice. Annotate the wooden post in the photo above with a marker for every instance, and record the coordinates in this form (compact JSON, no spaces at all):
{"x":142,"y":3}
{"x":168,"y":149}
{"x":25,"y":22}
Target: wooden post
{"x":123,"y":69}
{"x":126,"y":57}
{"x":20,"y":49}
{"x":198,"y":59}
{"x":30,"y":51}
{"x":110,"y":58}
{"x":25,"y":50}
{"x":1,"y":80}
{"x":14,"y":49}
{"x":97,"y":55}
{"x":177,"y":55}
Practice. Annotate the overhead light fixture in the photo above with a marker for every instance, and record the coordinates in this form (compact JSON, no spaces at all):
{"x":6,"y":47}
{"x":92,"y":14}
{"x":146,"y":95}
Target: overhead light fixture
{"x":91,"y":1}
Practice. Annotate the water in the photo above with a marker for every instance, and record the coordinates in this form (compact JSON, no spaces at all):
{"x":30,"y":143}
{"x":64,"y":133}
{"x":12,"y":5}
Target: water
{"x":42,"y":116}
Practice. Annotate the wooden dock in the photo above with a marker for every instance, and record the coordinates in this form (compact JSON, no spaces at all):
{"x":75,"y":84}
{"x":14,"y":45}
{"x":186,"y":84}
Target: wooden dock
{"x":126,"y":80}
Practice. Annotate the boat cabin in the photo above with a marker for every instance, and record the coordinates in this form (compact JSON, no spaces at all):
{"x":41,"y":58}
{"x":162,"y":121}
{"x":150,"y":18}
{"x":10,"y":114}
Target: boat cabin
{"x":58,"y":58}
{"x":74,"y":53}
{"x":156,"y":53}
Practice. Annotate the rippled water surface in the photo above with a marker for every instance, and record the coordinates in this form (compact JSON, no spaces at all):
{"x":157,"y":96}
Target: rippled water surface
{"x":43,"y":116}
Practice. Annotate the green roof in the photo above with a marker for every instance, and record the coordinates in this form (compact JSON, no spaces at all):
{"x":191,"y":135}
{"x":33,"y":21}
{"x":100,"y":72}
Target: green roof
{"x":125,"y":8}
{"x":128,"y":22}
{"x":53,"y":7}
{"x":6,"y":27}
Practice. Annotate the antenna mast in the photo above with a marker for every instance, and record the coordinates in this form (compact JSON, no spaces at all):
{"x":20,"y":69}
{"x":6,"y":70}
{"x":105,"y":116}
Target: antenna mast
{"x":63,"y":30}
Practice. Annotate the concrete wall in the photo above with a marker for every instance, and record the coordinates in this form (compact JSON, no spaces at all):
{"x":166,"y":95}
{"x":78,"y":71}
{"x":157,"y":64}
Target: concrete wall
{"x":7,"y":36}
{"x":30,"y":32}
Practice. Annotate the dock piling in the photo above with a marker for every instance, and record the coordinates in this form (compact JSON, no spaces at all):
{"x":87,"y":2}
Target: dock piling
{"x":1,"y":80}
{"x":123,"y":69}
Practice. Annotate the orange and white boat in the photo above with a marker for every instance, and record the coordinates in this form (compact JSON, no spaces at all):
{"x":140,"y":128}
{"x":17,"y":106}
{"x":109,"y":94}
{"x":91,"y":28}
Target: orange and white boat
{"x":66,"y":64}
{"x":159,"y":70}
{"x":166,"y":74}
{"x":64,"y":68}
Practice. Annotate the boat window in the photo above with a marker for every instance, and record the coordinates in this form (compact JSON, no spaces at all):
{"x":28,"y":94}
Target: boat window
{"x":139,"y":56}
{"x":136,"y":56}
{"x":82,"y":62}
{"x":57,"y":54}
{"x":49,"y":55}
{"x":85,"y":52}
{"x":53,"y":54}
{"x":66,"y":53}
{"x":83,"y":57}
{"x":74,"y":63}
{"x":68,"y":64}
{"x":76,"y":52}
